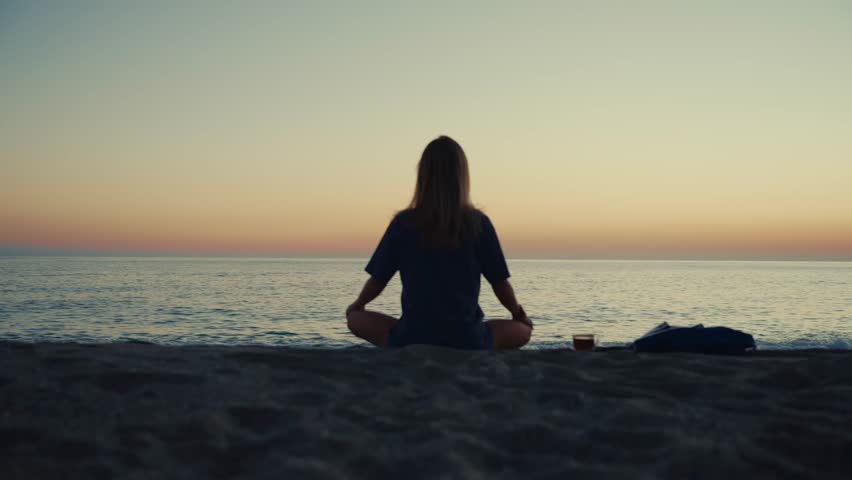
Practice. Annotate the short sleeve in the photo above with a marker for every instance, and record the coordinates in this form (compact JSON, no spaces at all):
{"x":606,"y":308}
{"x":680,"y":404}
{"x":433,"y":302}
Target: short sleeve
{"x":385,"y":260}
{"x":491,"y":257}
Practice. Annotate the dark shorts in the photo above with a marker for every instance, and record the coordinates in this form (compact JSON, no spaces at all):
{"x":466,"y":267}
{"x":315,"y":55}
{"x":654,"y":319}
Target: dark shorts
{"x":474,"y":337}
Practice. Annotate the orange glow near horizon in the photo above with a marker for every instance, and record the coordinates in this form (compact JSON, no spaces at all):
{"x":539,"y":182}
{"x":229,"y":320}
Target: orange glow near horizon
{"x":593,"y":131}
{"x":803,"y":240}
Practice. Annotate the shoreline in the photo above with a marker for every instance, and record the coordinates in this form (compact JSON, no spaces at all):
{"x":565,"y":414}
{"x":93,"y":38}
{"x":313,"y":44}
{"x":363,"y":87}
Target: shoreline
{"x":139,"y":410}
{"x":761,"y":350}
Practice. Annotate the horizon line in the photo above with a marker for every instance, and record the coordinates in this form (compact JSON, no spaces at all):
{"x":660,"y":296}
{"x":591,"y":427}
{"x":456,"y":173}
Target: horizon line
{"x":7,"y":252}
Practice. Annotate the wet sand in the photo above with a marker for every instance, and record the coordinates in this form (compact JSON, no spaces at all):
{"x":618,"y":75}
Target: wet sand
{"x":147,"y":411}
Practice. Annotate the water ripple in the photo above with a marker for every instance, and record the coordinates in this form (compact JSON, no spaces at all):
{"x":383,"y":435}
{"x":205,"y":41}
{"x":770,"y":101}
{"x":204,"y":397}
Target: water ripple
{"x":301,"y":303}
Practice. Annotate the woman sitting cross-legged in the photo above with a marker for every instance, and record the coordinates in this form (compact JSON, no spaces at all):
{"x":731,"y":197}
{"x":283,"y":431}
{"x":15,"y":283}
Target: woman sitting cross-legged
{"x":440,"y":245}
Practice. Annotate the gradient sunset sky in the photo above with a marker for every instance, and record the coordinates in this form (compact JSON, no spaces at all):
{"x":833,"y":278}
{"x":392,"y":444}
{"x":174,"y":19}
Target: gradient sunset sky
{"x":594,"y":129}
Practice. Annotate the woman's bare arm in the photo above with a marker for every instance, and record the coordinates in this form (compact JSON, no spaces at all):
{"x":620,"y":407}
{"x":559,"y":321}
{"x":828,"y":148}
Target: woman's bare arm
{"x":372,"y":289}
{"x":506,"y":294}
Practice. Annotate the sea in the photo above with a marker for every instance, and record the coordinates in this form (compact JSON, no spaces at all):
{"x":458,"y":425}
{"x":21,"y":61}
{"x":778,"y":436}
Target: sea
{"x":300,"y":302}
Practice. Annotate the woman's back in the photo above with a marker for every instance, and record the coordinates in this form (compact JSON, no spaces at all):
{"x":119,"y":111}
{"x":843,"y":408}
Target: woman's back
{"x":440,"y":285}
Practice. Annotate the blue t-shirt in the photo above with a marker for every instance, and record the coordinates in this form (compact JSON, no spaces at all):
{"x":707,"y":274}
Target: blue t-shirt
{"x":440,"y":287}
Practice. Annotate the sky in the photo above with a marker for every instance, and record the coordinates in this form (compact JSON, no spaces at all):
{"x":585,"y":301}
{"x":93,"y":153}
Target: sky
{"x":594,"y":129}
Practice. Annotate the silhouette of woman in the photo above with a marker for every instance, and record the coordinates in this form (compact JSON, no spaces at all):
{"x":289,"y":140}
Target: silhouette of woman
{"x":440,"y":245}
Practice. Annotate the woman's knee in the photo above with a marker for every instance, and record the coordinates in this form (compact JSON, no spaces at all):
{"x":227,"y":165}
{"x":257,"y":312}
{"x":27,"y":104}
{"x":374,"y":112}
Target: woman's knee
{"x":509,"y":333}
{"x":524,"y":335}
{"x":520,"y":335}
{"x":371,"y":326}
{"x":354,"y":322}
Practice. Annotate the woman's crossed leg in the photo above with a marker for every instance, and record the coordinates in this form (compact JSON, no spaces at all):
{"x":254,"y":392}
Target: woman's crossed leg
{"x":375,"y":327}
{"x":509,"y":334}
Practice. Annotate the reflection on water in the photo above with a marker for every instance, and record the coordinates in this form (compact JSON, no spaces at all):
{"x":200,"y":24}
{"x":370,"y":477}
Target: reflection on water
{"x":301,"y":301}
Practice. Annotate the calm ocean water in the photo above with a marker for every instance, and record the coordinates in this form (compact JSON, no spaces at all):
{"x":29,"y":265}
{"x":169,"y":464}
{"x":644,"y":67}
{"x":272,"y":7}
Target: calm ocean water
{"x":300,"y":302}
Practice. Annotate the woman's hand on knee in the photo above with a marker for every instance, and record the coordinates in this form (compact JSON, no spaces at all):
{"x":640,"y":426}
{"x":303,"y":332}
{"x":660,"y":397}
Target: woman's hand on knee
{"x":355,"y":307}
{"x":521,"y":316}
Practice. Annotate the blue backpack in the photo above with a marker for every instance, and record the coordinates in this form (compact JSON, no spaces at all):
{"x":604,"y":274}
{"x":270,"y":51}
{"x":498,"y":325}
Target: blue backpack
{"x":697,"y":339}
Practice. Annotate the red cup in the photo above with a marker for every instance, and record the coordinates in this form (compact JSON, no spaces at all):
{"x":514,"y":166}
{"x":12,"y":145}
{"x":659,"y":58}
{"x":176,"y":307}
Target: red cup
{"x":584,"y":342}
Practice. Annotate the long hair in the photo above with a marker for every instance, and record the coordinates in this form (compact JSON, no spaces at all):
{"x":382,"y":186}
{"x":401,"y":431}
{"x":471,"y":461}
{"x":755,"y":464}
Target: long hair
{"x":444,"y":214}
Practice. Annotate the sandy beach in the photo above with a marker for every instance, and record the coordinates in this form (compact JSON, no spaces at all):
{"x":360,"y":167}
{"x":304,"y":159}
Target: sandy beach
{"x":148,"y":411}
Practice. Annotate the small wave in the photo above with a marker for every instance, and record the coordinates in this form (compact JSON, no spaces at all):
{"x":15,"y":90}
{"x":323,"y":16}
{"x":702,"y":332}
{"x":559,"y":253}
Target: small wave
{"x":135,"y":341}
{"x":801,"y":344}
